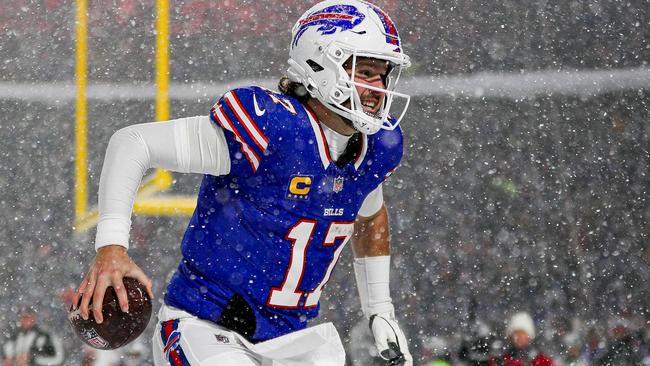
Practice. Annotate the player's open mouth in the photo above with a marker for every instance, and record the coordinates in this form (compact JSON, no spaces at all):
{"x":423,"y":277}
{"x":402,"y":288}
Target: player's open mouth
{"x":370,"y":107}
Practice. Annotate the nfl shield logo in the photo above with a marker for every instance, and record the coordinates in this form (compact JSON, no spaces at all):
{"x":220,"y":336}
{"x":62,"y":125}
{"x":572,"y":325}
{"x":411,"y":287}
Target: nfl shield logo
{"x":338,"y":184}
{"x":93,"y":338}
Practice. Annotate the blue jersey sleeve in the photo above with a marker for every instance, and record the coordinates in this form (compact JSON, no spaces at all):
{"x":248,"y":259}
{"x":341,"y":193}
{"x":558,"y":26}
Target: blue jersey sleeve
{"x":391,"y":149}
{"x":243,"y":115}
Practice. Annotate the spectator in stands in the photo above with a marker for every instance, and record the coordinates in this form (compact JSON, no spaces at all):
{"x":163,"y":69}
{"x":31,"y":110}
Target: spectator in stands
{"x":573,"y":345}
{"x":519,"y":349}
{"x":95,"y":357}
{"x":594,"y":346}
{"x":477,"y":348}
{"x":622,"y":348}
{"x":436,"y":352}
{"x":31,"y":345}
{"x":136,"y":354}
{"x":645,"y":346}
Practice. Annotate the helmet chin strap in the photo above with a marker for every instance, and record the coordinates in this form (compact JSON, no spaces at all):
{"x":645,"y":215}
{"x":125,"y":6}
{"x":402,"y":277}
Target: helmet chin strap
{"x":357,"y":97}
{"x":364,"y":126}
{"x":358,"y":119}
{"x":353,"y":121}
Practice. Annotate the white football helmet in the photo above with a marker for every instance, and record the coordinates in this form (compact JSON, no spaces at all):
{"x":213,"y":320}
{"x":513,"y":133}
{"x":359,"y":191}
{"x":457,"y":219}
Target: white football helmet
{"x":333,"y":32}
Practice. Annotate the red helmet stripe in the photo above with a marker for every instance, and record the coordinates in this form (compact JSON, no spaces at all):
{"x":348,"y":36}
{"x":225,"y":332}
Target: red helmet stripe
{"x":390,"y":27}
{"x":316,"y":17}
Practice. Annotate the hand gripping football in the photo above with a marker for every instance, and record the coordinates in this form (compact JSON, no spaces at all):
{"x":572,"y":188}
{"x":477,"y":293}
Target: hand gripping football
{"x":118,"y":328}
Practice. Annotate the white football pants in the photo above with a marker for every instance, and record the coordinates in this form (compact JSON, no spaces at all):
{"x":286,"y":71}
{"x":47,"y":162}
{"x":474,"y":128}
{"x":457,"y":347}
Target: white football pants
{"x":181,"y":339}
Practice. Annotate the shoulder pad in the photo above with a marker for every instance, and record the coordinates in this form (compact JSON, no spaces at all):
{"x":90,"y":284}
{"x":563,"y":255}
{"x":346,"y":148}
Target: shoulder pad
{"x":240,"y":113}
{"x":250,"y":115}
{"x":389,"y":147}
{"x":281,"y":103}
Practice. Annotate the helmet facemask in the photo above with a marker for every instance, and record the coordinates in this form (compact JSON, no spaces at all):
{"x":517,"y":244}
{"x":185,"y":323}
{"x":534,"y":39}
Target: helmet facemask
{"x":344,"y":98}
{"x":383,"y":118}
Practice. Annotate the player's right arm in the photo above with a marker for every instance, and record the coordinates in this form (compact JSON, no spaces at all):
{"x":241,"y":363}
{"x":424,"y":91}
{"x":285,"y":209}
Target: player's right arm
{"x":233,"y":139}
{"x":194,"y":144}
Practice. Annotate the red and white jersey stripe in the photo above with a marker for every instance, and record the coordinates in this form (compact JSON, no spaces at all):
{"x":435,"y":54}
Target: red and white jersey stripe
{"x":246,"y":121}
{"x":225,"y":123}
{"x":323,"y":149}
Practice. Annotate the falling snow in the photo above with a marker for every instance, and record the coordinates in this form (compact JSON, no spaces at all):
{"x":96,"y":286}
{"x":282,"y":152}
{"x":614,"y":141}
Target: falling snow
{"x":525,"y":183}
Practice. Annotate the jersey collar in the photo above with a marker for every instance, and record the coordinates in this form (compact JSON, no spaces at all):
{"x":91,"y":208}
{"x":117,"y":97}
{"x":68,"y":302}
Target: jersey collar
{"x":323,"y":148}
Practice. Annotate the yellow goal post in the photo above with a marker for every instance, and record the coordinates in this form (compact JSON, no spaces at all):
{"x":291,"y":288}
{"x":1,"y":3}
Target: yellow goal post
{"x":148,"y":200}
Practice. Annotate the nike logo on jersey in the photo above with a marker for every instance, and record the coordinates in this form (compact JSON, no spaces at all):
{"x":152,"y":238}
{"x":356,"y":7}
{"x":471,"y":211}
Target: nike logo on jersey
{"x":258,"y":111}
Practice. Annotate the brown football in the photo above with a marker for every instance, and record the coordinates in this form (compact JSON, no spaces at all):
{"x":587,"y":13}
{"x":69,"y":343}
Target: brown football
{"x":118,"y":328}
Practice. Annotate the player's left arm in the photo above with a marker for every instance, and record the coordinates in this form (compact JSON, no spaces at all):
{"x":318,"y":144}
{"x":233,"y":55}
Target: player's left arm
{"x":371,"y":248}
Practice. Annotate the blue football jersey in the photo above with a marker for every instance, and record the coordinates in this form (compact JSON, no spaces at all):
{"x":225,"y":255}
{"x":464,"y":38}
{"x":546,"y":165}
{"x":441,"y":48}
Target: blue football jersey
{"x":272,"y":230}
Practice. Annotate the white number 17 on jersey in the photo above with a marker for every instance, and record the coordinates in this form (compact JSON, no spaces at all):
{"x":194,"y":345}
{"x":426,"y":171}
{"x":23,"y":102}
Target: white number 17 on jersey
{"x":287,"y":295}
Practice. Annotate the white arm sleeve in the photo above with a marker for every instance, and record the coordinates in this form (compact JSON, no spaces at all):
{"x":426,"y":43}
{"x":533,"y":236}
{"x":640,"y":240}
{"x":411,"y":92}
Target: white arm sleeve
{"x":373,"y":202}
{"x":372,"y":273}
{"x":373,"y":277}
{"x":188,"y":145}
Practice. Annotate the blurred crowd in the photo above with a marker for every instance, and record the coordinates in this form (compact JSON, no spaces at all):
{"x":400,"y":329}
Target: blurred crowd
{"x":519,"y":343}
{"x":582,"y":345}
{"x":221,"y":40}
{"x":501,"y":206}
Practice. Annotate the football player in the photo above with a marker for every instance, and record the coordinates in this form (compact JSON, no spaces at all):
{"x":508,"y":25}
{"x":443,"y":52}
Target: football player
{"x":290,"y":177}
{"x":31,"y":344}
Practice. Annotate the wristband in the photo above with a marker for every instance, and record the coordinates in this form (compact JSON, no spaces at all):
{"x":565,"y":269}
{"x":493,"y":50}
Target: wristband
{"x":372,"y":275}
{"x":111,"y":230}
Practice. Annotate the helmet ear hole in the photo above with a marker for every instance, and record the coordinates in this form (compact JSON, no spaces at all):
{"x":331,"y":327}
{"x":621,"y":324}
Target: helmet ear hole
{"x":314,"y":66}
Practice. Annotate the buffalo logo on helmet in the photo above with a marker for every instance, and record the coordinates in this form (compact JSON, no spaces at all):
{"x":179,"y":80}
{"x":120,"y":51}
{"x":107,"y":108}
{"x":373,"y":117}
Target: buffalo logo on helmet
{"x":331,"y":19}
